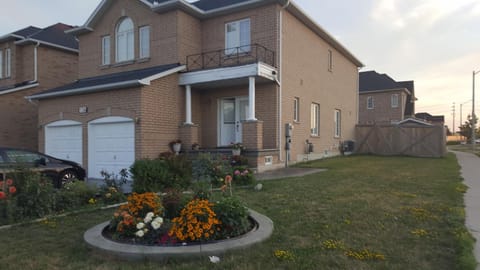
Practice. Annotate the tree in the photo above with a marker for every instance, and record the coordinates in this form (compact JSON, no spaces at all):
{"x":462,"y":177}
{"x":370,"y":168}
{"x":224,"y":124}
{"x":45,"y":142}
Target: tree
{"x":466,"y":129}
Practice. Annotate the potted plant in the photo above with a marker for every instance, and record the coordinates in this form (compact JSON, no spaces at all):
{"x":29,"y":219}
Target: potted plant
{"x":237,"y":148}
{"x":195,"y":146}
{"x":176,"y":146}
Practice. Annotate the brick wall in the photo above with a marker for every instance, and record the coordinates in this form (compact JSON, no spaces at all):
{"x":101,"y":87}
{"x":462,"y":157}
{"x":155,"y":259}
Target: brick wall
{"x":305,"y":74}
{"x":382,"y":113}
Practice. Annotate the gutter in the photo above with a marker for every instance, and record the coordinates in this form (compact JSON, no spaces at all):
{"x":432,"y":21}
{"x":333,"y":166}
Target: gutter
{"x":21,"y":42}
{"x":280,"y":92}
{"x":35,"y":84}
{"x":88,"y":89}
{"x":386,"y":90}
{"x":35,"y":62}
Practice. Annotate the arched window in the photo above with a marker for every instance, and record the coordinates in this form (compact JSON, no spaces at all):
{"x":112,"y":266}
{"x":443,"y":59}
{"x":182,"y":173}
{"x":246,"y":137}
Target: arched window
{"x":125,"y":40}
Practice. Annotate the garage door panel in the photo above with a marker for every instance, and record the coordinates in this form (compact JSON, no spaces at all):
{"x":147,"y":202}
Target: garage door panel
{"x":64,"y":141}
{"x":111,"y":147}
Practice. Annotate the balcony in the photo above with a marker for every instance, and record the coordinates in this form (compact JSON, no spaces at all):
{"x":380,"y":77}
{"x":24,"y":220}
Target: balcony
{"x":243,"y":55}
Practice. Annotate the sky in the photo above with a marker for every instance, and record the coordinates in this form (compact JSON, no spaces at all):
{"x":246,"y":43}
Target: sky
{"x":436,"y":43}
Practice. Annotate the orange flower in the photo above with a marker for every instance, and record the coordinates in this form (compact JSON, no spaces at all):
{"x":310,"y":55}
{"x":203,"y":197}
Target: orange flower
{"x":228,"y":179}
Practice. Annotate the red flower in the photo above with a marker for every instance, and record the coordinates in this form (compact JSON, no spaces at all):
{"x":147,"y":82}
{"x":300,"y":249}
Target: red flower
{"x":2,"y":195}
{"x":9,"y":182}
{"x":12,"y":190}
{"x":228,"y":179}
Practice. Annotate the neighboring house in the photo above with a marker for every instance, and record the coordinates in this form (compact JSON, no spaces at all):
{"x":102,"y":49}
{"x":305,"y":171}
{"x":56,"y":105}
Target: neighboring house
{"x":32,"y":60}
{"x":209,"y":72}
{"x":384,"y":100}
{"x":438,"y":120}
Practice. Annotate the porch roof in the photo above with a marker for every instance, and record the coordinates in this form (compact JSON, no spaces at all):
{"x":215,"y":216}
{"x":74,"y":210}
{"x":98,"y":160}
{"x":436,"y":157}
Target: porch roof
{"x":228,"y":76}
{"x":114,"y":81}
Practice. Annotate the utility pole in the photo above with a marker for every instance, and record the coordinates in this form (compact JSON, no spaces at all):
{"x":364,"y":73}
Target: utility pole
{"x":474,"y":117}
{"x":453,"y":112}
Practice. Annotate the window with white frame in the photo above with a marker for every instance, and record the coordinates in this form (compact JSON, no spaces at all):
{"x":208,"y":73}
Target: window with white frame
{"x":144,"y":41}
{"x":1,"y":64}
{"x":394,"y":101}
{"x":315,"y":119}
{"x":125,"y":40}
{"x":330,"y":60}
{"x":237,"y":37}
{"x":370,"y":103}
{"x":296,"y":109}
{"x":106,"y":50}
{"x":8,"y":63}
{"x":338,"y":123}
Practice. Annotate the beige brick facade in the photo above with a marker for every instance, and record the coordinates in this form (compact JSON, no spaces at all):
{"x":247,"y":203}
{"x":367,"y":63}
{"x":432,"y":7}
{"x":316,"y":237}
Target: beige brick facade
{"x":301,"y":61}
{"x":18,"y":116}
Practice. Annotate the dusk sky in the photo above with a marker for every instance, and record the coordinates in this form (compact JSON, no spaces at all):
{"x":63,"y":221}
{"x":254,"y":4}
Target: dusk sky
{"x":436,"y":43}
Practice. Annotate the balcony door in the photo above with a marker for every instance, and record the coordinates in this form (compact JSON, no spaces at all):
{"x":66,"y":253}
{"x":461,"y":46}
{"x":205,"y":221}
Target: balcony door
{"x":232,"y":112}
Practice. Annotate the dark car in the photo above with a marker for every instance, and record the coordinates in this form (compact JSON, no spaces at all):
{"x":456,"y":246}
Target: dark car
{"x":60,"y":171}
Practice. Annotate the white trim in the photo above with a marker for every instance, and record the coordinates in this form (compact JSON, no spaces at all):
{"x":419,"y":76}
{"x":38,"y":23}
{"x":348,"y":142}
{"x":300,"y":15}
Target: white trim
{"x":385,"y":90}
{"x":110,"y":119}
{"x":18,"y":89}
{"x":202,"y":76}
{"x":414,"y":120}
{"x":188,"y":105}
{"x":251,"y":99}
{"x":64,"y":123}
{"x":148,"y":80}
{"x":20,"y":42}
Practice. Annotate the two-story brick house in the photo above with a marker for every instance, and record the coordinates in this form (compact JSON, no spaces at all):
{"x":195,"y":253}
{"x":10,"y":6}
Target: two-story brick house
{"x":384,"y":100}
{"x":208,"y":72}
{"x":32,"y":60}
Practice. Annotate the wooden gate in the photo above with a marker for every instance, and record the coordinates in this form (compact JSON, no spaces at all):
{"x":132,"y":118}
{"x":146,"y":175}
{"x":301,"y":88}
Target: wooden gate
{"x":418,"y":141}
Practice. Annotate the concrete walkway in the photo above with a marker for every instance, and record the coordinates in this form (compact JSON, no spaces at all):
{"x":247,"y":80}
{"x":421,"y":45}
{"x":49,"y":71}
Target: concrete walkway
{"x":470,"y":171}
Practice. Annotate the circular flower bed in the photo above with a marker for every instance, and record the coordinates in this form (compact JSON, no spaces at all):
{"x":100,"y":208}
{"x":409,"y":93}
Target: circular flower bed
{"x":138,"y":230}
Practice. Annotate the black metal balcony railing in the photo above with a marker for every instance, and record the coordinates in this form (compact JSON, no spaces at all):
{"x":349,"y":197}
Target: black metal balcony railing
{"x":243,"y":55}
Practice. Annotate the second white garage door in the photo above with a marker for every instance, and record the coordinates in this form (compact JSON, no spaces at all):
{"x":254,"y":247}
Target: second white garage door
{"x":111,"y":145}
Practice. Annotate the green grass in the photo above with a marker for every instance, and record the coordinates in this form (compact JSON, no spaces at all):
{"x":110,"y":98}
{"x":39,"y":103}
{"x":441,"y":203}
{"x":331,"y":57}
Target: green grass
{"x":407,"y":212}
{"x":465,"y":148}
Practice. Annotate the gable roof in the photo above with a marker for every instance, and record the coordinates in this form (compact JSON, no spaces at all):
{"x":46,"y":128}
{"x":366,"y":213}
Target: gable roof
{"x":371,"y":81}
{"x":53,"y":36}
{"x":115,"y":81}
{"x":204,"y":9}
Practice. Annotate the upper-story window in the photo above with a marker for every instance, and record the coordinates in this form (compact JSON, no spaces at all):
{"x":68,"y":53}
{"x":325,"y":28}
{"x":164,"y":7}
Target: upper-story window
{"x":144,"y":41}
{"x":106,"y":50}
{"x":315,"y":119}
{"x":296,"y":109}
{"x":337,"y":118}
{"x":370,"y":103}
{"x":8,"y":63}
{"x":237,"y":37}
{"x":125,"y":40}
{"x":394,"y":101}
{"x":1,"y":64}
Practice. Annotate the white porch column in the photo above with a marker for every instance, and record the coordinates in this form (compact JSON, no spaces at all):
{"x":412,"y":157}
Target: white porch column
{"x":251,"y":99}
{"x":188,"y":105}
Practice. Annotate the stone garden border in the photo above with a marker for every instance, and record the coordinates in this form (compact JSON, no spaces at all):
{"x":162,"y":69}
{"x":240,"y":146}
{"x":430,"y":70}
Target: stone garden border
{"x":94,"y":238}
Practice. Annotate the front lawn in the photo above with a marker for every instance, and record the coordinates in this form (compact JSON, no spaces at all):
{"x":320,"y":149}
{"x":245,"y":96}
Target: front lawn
{"x":363,"y":213}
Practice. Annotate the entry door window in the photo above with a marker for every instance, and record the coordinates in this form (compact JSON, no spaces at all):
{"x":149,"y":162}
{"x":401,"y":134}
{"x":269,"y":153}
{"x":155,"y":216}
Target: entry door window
{"x":233,"y":111}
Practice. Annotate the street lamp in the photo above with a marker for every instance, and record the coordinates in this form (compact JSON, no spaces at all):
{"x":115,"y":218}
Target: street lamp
{"x":461,"y":105}
{"x":473,"y":110}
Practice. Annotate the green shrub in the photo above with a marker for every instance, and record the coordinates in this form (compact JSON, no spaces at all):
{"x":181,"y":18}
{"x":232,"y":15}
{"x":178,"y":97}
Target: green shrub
{"x":34,"y":194}
{"x":173,"y":203}
{"x":180,"y":170}
{"x":73,"y":195}
{"x":242,"y":176}
{"x":453,"y":142}
{"x":111,"y":191}
{"x":149,"y":175}
{"x":233,"y":216}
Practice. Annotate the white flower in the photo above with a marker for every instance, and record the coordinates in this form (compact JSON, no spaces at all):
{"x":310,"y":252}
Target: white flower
{"x":150,"y":215}
{"x":145,"y":230}
{"x":147,"y":219}
{"x":139,"y":233}
{"x":140,"y":225}
{"x":156,"y":225}
{"x":158,"y":220}
{"x":214,"y":259}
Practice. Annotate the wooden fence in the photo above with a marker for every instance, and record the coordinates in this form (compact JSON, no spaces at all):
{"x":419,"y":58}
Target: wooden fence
{"x":388,"y":140}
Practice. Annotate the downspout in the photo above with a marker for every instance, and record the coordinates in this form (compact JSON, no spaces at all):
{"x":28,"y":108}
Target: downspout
{"x":280,"y":63}
{"x":35,"y":62}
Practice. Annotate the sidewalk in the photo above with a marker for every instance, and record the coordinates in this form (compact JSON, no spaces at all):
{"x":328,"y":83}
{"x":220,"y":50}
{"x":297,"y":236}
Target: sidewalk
{"x":470,"y":171}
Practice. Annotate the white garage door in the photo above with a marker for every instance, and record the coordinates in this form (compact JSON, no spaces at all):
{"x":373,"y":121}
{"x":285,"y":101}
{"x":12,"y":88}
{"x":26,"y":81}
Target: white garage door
{"x":111,"y":145}
{"x":63,"y":140}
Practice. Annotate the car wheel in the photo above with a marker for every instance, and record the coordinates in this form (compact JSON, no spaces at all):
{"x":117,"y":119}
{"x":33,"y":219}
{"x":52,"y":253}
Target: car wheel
{"x":66,"y":177}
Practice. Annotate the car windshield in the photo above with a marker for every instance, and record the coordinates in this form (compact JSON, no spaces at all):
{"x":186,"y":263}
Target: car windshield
{"x":24,"y":156}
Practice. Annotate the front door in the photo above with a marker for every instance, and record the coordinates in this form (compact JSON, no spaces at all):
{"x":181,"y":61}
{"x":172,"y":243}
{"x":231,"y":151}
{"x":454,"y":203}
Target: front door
{"x":232,"y":112}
